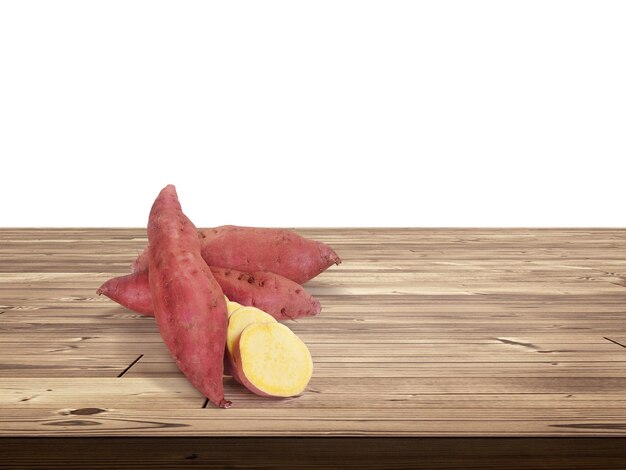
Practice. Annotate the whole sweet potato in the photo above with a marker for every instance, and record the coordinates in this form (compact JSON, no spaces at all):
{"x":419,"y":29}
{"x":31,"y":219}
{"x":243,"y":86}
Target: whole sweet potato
{"x":188,"y":302}
{"x":282,"y":298}
{"x":274,"y":294}
{"x":252,"y":249}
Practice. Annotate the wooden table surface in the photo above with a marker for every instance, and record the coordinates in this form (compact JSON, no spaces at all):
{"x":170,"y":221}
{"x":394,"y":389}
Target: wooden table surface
{"x":423,"y":332}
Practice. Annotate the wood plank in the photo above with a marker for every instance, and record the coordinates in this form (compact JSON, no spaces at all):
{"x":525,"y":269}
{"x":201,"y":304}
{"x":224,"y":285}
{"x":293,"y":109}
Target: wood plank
{"x":323,"y":336}
{"x":14,"y":365}
{"x":150,"y":366}
{"x":605,"y":351}
{"x":328,"y":422}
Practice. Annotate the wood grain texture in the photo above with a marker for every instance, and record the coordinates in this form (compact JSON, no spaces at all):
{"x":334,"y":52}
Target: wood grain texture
{"x":423,"y":332}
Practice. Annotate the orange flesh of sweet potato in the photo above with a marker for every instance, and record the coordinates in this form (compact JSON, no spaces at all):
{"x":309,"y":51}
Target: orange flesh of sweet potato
{"x":251,"y":249}
{"x":189,"y":305}
{"x":280,"y":297}
{"x":270,"y":360}
{"x":232,"y":307}
{"x":237,"y":322}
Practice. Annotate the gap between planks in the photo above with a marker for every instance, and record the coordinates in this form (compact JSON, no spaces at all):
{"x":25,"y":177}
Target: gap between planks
{"x":130,"y":365}
{"x":614,"y":342}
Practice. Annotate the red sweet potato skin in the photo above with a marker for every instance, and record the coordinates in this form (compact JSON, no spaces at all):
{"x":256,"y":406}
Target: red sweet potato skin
{"x":280,"y":297}
{"x":141,"y":262}
{"x":188,"y":303}
{"x":274,"y":294}
{"x":251,"y":249}
{"x":132,"y":291}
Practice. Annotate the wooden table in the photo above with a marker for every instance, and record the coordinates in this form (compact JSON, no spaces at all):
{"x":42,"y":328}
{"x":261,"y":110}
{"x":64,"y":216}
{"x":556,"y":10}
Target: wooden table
{"x":448,"y":340}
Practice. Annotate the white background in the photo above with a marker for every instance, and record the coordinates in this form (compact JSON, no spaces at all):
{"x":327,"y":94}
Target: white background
{"x":321,"y":113}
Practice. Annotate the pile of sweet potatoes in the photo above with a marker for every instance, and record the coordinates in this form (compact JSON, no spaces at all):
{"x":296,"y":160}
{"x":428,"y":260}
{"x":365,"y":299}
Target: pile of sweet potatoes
{"x":191,"y":279}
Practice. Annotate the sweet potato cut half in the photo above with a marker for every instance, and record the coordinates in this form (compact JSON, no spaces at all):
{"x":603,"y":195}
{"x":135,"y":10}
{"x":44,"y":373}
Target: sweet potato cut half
{"x":270,"y":360}
{"x":232,"y":307}
{"x":239,"y":320}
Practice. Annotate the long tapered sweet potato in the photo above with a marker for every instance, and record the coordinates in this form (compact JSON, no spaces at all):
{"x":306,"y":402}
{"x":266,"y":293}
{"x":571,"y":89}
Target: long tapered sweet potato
{"x":252,"y":249}
{"x":274,"y":294}
{"x":188,"y":302}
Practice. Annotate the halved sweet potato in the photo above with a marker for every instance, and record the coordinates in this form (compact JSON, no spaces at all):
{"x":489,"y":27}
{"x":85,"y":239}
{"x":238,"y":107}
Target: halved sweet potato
{"x":270,"y":360}
{"x":239,"y":320}
{"x":232,"y":306}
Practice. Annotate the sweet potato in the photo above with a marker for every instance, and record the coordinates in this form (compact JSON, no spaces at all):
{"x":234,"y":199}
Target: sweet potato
{"x":270,"y":360}
{"x":131,"y":291}
{"x":252,"y":249}
{"x":237,"y":322}
{"x":280,"y":297}
{"x":240,"y":320}
{"x":188,"y":302}
{"x":232,"y":307}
